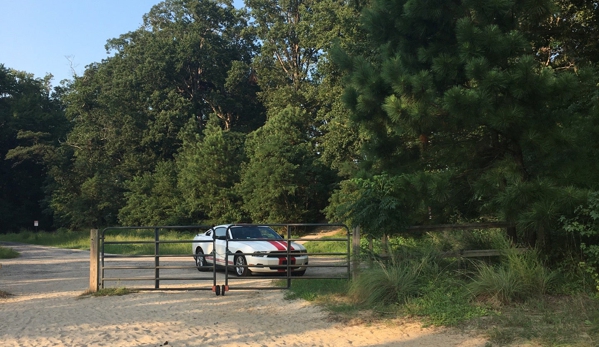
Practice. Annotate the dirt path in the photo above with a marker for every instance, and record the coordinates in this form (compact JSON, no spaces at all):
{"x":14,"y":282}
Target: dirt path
{"x":46,"y":310}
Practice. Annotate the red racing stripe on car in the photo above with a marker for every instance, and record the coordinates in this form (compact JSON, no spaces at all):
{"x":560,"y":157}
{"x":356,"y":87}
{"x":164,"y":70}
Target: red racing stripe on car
{"x":280,"y":245}
{"x":283,"y":262}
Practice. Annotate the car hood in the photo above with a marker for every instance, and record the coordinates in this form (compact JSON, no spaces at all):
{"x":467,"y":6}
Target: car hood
{"x":270,"y":245}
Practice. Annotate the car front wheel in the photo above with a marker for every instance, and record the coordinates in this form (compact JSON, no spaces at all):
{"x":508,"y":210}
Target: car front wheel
{"x":241,"y":266}
{"x":201,"y":260}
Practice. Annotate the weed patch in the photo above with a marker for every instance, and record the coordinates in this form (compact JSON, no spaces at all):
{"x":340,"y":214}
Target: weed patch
{"x":445,"y":302}
{"x":118,"y":291}
{"x":8,"y":253}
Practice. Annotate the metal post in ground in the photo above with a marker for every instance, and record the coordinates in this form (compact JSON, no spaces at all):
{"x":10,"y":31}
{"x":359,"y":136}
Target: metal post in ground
{"x":156,"y":258}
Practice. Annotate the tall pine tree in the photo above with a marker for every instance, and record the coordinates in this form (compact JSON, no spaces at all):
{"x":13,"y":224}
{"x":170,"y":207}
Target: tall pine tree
{"x":452,"y":94}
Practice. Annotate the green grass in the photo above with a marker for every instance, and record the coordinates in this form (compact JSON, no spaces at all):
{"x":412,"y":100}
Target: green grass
{"x":444,"y":302}
{"x":8,"y":253}
{"x":313,"y":289}
{"x":146,"y":236}
{"x":60,"y":238}
{"x":118,"y":291}
{"x":324,"y":246}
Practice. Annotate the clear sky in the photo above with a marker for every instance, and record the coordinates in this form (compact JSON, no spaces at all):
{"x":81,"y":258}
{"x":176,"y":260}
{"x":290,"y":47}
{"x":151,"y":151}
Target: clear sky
{"x":62,"y":36}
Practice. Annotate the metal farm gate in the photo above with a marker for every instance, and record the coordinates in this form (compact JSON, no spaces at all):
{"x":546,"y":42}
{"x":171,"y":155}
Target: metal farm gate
{"x":164,"y":260}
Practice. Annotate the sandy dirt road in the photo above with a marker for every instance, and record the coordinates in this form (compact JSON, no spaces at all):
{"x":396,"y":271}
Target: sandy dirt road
{"x":46,"y":309}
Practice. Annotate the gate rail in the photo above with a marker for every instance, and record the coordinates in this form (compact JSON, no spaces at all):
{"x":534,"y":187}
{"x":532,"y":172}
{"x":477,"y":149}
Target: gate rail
{"x":157,"y":266}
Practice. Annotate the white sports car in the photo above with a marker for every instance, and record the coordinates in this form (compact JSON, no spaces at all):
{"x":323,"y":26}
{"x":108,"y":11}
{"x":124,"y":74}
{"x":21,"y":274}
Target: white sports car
{"x":251,"y":249}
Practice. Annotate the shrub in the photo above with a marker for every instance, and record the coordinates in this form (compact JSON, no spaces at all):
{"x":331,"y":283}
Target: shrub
{"x":584,"y":227}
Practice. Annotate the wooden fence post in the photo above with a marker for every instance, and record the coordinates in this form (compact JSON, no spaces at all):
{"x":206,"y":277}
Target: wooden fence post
{"x":93,"y":260}
{"x":355,"y":251}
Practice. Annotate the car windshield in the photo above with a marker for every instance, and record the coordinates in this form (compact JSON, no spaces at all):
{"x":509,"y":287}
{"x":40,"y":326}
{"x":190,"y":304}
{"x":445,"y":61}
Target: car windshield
{"x":254,"y":233}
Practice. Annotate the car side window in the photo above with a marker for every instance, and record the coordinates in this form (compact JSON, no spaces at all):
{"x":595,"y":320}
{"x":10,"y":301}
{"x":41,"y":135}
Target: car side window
{"x":220,"y":232}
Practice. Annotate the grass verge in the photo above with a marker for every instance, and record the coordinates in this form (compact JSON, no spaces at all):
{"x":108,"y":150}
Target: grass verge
{"x":143,"y":238}
{"x":117,"y":291}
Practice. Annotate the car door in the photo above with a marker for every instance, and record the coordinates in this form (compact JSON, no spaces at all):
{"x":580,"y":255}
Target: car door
{"x":220,"y":235}
{"x":208,"y":246}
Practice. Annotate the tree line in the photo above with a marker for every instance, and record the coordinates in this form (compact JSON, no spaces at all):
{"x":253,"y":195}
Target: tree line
{"x":378,"y":113}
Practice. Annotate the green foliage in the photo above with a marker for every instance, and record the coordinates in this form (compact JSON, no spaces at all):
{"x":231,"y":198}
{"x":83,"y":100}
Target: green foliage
{"x":584,"y":228}
{"x":295,"y":36}
{"x":131,"y":112}
{"x":209,"y":170}
{"x":295,"y":73}
{"x":283,"y":180}
{"x":153,"y":198}
{"x":458,"y":240}
{"x":555,"y":43}
{"x":385,"y":204}
{"x":32,"y":123}
{"x":455,"y":93}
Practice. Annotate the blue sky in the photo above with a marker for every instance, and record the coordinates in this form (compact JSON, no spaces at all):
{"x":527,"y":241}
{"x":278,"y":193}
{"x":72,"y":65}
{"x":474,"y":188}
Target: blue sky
{"x":61,"y":36}
{"x":45,"y":36}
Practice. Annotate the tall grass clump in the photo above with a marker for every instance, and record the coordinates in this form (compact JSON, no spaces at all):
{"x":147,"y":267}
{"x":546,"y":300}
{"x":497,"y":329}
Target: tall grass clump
{"x":518,"y":277}
{"x":384,"y":285}
{"x":392,"y":281}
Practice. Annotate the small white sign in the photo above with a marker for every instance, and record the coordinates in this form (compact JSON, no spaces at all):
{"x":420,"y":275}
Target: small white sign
{"x":35,"y":223}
